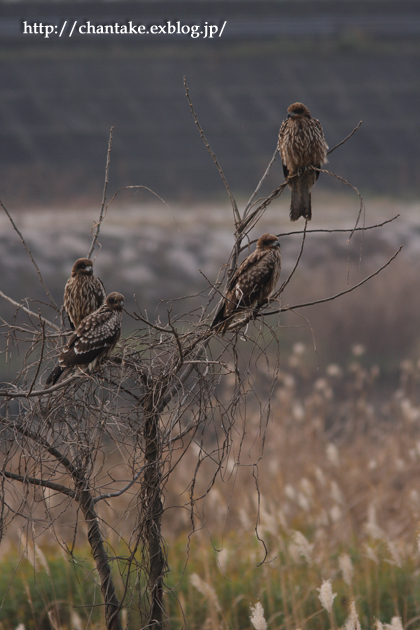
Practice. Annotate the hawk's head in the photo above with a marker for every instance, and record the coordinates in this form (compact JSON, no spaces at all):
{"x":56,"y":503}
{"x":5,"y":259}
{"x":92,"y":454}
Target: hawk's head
{"x":82,"y":266}
{"x":298,"y":110}
{"x":115,"y":301}
{"x":268,"y":241}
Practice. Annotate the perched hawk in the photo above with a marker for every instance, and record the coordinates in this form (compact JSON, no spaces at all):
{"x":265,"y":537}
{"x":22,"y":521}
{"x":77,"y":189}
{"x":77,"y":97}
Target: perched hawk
{"x":93,"y":340}
{"x":83,"y":293}
{"x":252,"y":283}
{"x":301,"y":144}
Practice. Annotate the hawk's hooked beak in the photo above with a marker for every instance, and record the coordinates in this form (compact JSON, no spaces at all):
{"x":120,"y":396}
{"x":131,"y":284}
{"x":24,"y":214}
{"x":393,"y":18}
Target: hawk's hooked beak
{"x":291,"y":114}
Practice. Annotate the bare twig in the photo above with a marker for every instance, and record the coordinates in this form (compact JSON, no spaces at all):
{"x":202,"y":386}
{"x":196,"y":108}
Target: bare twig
{"x":236,"y":214}
{"x":44,"y":483}
{"x":341,"y":179}
{"x":178,"y":343}
{"x":337,"y":295}
{"x":139,"y":318}
{"x":29,"y":312}
{"x":18,"y":232}
{"x":111,"y":495}
{"x":345,"y":139}
{"x":249,"y":221}
{"x":254,"y":194}
{"x":286,"y":282}
{"x":327,"y":231}
{"x":101,"y":214}
{"x":40,"y":358}
{"x":138,"y":187}
{"x":31,"y":394}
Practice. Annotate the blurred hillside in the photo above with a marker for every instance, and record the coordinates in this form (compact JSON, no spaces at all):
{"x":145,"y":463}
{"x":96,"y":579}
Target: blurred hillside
{"x":348,"y":61}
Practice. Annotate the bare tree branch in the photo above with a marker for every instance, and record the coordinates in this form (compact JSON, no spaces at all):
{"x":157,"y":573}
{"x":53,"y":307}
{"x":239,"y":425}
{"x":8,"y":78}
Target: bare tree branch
{"x":42,"y":392}
{"x":42,"y":324}
{"x":290,"y":276}
{"x":101,"y":214}
{"x":112,"y":495}
{"x":44,"y":483}
{"x":341,"y":179}
{"x":345,"y":139}
{"x":236,"y":215}
{"x":327,"y":231}
{"x":250,"y":221}
{"x":337,"y":295}
{"x":254,"y":194}
{"x":137,"y":187}
{"x":29,"y":312}
{"x":18,"y":232}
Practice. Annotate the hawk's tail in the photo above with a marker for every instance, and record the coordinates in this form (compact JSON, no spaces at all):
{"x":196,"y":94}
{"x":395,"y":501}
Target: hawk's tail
{"x":300,"y":205}
{"x":54,"y":376}
{"x":220,"y":322}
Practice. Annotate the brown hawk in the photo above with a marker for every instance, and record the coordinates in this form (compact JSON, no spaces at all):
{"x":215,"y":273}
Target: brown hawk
{"x":93,"y":340}
{"x":301,"y":145}
{"x":83,"y":293}
{"x":252,"y":283}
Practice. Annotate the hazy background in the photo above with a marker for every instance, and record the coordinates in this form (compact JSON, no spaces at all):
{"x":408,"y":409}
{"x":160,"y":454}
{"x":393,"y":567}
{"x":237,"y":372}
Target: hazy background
{"x":347,"y":61}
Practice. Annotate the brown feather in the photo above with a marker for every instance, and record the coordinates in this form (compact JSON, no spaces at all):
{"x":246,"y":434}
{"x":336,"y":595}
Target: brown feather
{"x":252,"y":283}
{"x":83,"y":293}
{"x":301,"y":146}
{"x":94,"y":339}
{"x":300,"y":201}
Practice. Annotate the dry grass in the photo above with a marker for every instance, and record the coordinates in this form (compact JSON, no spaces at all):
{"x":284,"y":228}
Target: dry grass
{"x":318,"y":523}
{"x":335,"y":497}
{"x":315,"y":529}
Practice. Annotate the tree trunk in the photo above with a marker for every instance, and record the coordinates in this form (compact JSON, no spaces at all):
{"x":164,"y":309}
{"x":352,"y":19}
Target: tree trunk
{"x":154,"y":507}
{"x":100,"y":555}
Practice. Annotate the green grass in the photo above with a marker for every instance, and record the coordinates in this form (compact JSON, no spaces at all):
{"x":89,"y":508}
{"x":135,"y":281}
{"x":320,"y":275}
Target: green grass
{"x":60,"y":587}
{"x":230,"y":582}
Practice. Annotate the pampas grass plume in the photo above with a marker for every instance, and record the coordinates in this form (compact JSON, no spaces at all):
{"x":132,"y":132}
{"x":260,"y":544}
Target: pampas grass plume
{"x":257,"y":617}
{"x":326,"y":596}
{"x":205,"y":589}
{"x":352,"y":622}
